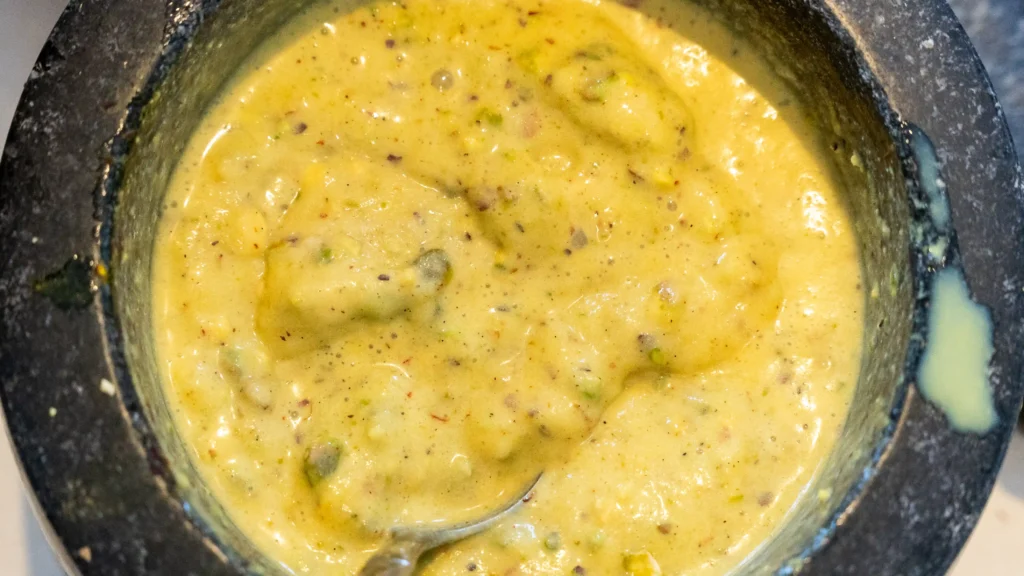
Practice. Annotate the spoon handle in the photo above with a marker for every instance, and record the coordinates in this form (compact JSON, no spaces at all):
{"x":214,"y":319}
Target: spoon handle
{"x":397,"y":558}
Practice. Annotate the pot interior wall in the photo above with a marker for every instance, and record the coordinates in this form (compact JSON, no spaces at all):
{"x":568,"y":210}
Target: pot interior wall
{"x":188,"y":82}
{"x":807,"y":46}
{"x":802,"y":41}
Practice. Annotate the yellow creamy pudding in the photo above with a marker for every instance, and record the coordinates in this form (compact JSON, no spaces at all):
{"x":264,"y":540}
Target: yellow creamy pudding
{"x":419,"y":252}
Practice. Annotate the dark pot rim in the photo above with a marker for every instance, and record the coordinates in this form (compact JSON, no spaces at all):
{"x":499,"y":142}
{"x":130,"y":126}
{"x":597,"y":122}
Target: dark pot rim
{"x":84,"y":444}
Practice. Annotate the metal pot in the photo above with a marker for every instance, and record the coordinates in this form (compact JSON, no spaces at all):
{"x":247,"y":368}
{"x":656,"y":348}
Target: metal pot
{"x":121,"y":85}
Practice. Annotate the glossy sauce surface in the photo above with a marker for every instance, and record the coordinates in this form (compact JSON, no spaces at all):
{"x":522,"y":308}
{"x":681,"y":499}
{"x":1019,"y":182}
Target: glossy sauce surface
{"x":418,"y":253}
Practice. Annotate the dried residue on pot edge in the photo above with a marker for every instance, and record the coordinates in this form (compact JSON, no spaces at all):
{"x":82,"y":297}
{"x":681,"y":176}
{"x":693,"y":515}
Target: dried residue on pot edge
{"x":954,"y":369}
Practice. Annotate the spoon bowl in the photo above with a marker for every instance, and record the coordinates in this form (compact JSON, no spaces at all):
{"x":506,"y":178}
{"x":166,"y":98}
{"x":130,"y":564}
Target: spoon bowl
{"x":402,"y":553}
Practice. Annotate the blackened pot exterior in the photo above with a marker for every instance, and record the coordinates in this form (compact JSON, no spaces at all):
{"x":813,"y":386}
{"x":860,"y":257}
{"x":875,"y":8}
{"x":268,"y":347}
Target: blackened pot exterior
{"x":100,"y":478}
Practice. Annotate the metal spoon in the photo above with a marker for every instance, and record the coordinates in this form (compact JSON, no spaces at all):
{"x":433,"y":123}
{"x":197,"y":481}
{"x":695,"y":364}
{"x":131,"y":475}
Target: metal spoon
{"x":402,"y":552}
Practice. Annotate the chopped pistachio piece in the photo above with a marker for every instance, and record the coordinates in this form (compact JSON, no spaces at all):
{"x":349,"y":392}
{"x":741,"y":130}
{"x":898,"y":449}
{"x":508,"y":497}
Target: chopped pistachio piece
{"x":641,"y":564}
{"x":321,"y":461}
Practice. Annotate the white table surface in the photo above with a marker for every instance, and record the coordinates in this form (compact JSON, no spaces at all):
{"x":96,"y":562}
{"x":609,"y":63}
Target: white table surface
{"x":994,"y":548}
